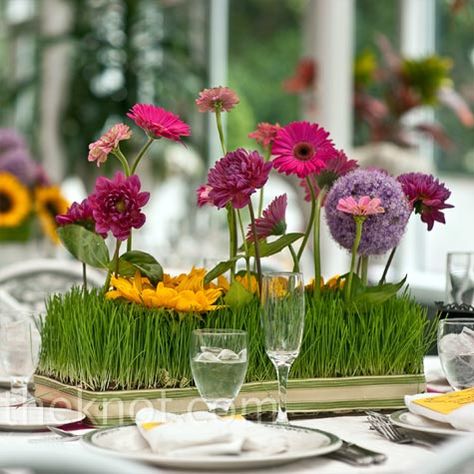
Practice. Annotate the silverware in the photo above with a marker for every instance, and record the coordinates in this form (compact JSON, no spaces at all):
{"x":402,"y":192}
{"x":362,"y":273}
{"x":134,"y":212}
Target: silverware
{"x":66,"y":435}
{"x":357,"y":455}
{"x":382,"y":424}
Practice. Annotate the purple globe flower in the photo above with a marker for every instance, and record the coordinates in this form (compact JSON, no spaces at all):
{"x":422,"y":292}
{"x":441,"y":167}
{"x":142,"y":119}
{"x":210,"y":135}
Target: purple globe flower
{"x":10,"y":139}
{"x":116,"y":205}
{"x":236,"y":177}
{"x":380,"y":232}
{"x":18,"y":162}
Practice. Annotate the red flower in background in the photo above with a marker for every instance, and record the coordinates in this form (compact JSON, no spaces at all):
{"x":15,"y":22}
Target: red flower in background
{"x":303,"y":78}
{"x":265,"y":134}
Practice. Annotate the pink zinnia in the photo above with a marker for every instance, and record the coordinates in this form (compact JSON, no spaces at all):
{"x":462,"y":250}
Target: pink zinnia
{"x":236,"y":177}
{"x":100,"y":149}
{"x":116,"y":205}
{"x":265,"y":133}
{"x":79,"y":214}
{"x":272,"y":221}
{"x":158,"y":122}
{"x":217,"y":99}
{"x":363,"y":207}
{"x":426,"y":195}
{"x":203,"y":195}
{"x":335,"y":167}
{"x":302,"y":148}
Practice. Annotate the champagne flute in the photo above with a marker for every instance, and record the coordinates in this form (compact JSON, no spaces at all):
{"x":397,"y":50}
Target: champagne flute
{"x":218,"y":363}
{"x":283,"y":313}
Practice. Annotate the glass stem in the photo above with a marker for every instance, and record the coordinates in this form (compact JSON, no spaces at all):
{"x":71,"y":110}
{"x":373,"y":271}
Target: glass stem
{"x":19,"y":386}
{"x":282,"y":372}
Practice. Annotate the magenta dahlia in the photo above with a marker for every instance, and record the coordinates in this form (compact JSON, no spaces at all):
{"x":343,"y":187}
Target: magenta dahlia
{"x":116,"y":205}
{"x":265,"y":133}
{"x":203,"y":195}
{"x":217,"y":99}
{"x":236,"y":176}
{"x":80,"y":214}
{"x":272,"y":221}
{"x":427,"y":196}
{"x":158,"y":122}
{"x":302,"y":148}
{"x":109,"y":141}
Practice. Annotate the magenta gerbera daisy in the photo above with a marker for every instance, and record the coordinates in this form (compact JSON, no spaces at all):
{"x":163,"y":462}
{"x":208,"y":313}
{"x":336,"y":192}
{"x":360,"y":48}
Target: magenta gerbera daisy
{"x":236,"y":177}
{"x":217,"y":99}
{"x":302,"y":148}
{"x":116,"y":205}
{"x":272,"y":221}
{"x":427,"y":196}
{"x":158,"y":122}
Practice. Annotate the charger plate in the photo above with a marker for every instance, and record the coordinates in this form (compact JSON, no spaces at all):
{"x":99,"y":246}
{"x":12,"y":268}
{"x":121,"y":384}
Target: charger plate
{"x":127,"y":442}
{"x":410,"y":421}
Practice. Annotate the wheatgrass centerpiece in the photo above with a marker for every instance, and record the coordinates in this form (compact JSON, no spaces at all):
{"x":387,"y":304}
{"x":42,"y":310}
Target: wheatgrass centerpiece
{"x":110,"y":351}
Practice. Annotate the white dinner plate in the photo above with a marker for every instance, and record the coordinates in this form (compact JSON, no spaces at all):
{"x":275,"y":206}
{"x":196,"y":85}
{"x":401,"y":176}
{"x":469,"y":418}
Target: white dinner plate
{"x":126,"y":441}
{"x":410,"y":421}
{"x":27,"y":418}
{"x":8,"y":399}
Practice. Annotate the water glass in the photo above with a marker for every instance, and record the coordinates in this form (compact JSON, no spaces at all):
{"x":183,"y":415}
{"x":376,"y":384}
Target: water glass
{"x":456,"y":351}
{"x":283,"y":313}
{"x":20,"y":344}
{"x":460,"y":278}
{"x":218,"y":364}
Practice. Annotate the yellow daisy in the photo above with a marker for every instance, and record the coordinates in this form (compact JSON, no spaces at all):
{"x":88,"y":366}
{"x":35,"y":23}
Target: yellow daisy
{"x":49,"y":203}
{"x":15,"y":202}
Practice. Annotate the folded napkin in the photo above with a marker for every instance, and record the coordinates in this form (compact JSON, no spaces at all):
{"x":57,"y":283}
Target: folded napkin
{"x":456,"y":408}
{"x":202,"y":433}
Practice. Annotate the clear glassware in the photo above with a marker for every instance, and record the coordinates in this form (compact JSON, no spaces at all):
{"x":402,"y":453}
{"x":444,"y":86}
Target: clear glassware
{"x":218,"y":363}
{"x":456,"y":351}
{"x":460,"y":278}
{"x":283,"y":313}
{"x":20,"y":344}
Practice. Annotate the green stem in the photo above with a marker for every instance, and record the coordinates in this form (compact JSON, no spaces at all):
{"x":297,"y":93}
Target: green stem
{"x":267,"y":156}
{"x":359,"y":222}
{"x":231,"y":221}
{"x":296,"y":265}
{"x":220,"y":130}
{"x":247,"y":258}
{"x":317,"y":242}
{"x":310,"y":222}
{"x":141,"y":154}
{"x":387,"y":266}
{"x":364,"y":269}
{"x":129,"y":242}
{"x":257,"y":247}
{"x":84,"y":277}
{"x":121,"y":157}
{"x":115,"y":262}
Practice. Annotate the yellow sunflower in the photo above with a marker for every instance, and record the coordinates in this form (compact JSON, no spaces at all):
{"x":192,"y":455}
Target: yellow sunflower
{"x":49,"y":203}
{"x":15,"y":202}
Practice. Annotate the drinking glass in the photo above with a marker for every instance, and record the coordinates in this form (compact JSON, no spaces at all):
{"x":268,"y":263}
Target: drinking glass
{"x":283,"y":314}
{"x":456,"y":351}
{"x":460,"y":278}
{"x":20,"y":344}
{"x":218,"y":364}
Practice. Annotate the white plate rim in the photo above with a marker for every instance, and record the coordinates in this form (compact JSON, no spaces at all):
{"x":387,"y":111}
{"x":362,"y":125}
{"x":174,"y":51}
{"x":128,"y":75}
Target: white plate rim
{"x":216,"y":462}
{"x":395,"y":418}
{"x":35,"y":426}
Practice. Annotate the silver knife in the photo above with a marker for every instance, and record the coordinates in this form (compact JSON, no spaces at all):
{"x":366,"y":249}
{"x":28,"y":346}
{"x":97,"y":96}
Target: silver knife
{"x":357,"y":455}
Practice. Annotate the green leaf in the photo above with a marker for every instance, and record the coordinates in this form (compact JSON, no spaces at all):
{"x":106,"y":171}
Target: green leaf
{"x":145,"y":263}
{"x":238,"y":295}
{"x":271,"y":248}
{"x":377,"y":294}
{"x":220,"y":268}
{"x":87,"y":246}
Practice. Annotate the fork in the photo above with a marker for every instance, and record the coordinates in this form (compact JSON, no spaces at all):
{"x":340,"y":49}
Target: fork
{"x":65,"y":435}
{"x":383,"y":425}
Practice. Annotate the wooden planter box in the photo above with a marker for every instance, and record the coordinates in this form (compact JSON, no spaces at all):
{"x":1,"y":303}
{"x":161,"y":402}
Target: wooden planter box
{"x":310,"y":395}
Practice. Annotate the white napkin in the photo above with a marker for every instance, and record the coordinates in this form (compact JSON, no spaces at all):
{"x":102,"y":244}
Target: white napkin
{"x":462,"y":418}
{"x":202,"y":433}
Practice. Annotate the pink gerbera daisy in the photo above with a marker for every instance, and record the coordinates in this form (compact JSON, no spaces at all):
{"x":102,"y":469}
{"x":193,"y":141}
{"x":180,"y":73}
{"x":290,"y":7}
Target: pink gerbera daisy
{"x":365,"y":206}
{"x":302,"y":148}
{"x":158,"y":122}
{"x":109,"y":141}
{"x":272,"y":221}
{"x":265,"y":133}
{"x":217,"y":99}
{"x":426,"y":195}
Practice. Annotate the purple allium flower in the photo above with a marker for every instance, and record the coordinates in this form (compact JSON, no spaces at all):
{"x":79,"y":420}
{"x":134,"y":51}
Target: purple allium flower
{"x":17,"y":161}
{"x":381,"y":232}
{"x":116,"y":205}
{"x":10,"y":139}
{"x":272,"y":221}
{"x":236,"y":177}
{"x":80,"y":214}
{"x":426,"y":195}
